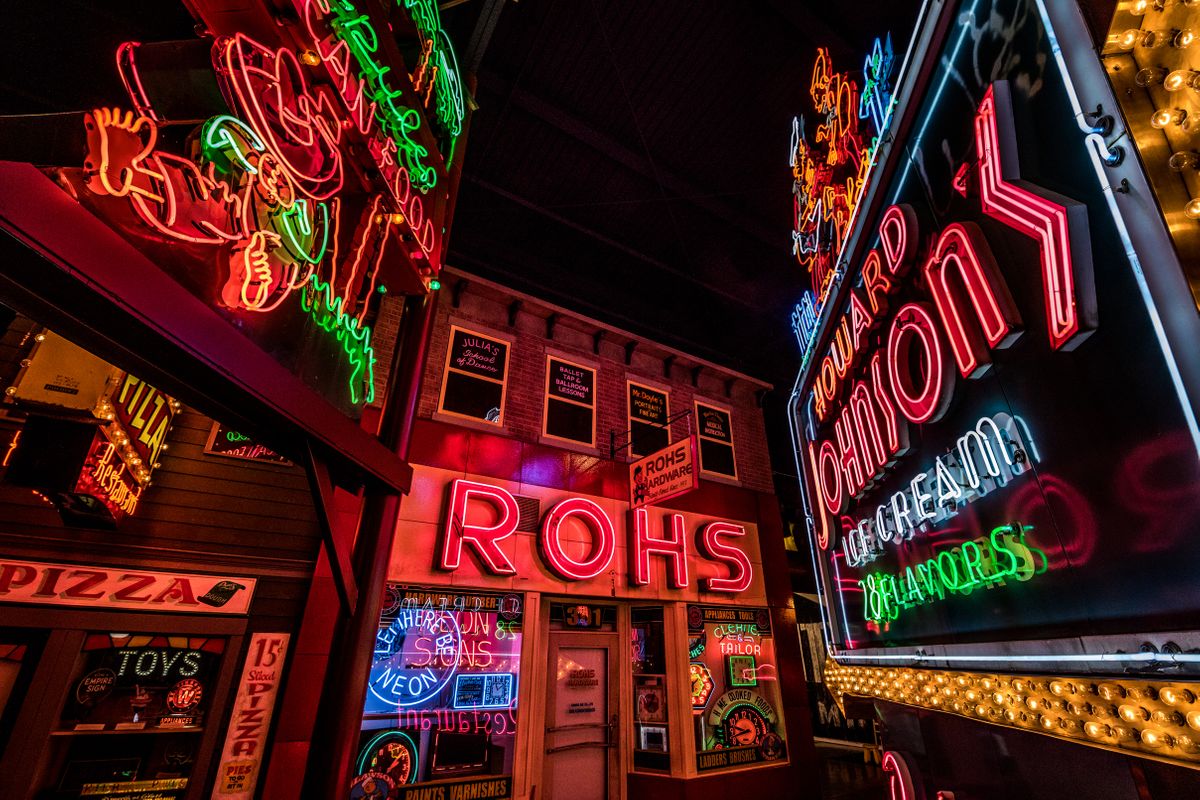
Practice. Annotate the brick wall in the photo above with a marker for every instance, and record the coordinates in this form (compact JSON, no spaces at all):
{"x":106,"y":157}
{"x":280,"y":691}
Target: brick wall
{"x":486,"y":307}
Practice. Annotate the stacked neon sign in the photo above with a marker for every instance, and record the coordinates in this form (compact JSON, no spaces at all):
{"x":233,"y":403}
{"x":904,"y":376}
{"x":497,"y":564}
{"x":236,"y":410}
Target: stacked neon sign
{"x":889,"y":370}
{"x":830,"y":171}
{"x":271,"y":194}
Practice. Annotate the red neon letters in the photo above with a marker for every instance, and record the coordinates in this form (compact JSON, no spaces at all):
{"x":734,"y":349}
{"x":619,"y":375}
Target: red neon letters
{"x":925,"y":398}
{"x":741,"y":573}
{"x":485,"y":517}
{"x":672,"y":547}
{"x":908,"y":378}
{"x":1058,"y":224}
{"x":603,"y":546}
{"x":961,"y":250}
{"x":483,"y":539}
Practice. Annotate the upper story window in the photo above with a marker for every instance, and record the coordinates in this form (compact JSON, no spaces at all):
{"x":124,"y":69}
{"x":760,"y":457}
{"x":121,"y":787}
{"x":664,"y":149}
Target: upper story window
{"x":714,"y":428}
{"x":570,"y":410}
{"x":649,"y":410}
{"x":476,"y":376}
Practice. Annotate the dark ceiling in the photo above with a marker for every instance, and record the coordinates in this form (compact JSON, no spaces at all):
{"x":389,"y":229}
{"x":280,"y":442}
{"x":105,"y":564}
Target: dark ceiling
{"x":630,"y":159}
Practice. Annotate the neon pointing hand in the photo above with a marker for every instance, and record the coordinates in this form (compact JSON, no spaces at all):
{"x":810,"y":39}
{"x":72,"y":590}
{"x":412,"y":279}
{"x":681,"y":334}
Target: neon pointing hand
{"x":120,"y":154}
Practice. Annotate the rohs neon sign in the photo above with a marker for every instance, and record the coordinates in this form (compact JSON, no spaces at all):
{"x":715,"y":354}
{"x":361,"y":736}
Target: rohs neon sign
{"x":489,"y":543}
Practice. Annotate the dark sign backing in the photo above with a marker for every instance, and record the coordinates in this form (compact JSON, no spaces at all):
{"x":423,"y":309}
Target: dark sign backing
{"x":1110,"y":487}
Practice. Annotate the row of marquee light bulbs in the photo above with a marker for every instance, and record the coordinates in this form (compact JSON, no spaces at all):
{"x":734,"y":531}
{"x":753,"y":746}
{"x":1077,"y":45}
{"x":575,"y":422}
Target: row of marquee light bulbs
{"x":1171,"y":116}
{"x":1158,"y":718}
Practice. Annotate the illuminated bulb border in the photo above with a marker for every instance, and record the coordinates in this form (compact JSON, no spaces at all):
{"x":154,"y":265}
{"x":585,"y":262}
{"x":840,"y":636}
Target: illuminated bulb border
{"x":1150,"y":718}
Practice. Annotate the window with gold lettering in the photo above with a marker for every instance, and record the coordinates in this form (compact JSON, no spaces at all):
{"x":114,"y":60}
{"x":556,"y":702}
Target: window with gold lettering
{"x":476,"y":376}
{"x":649,"y":410}
{"x":570,"y":411}
{"x":714,"y":430}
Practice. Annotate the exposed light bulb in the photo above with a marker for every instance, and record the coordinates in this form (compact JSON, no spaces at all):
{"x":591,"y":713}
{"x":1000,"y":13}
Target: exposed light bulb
{"x":1157,"y":38}
{"x":1156,"y":738}
{"x":1180,"y":78}
{"x":1192,"y":211}
{"x":1139,"y":7}
{"x":1185,"y":38}
{"x":1166,"y":117}
{"x":1180,"y":162}
{"x":1149,"y":76}
{"x":1129,"y":39}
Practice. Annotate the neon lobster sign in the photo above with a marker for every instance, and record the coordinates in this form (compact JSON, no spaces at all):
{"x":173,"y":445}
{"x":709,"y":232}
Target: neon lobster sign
{"x":829,"y":172}
{"x":872,"y":396}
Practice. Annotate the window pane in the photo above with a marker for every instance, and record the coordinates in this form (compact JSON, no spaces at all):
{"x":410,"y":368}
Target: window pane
{"x":568,"y":421}
{"x":716,"y":457}
{"x":473,"y":397}
{"x":648,"y":414}
{"x":736,"y":700}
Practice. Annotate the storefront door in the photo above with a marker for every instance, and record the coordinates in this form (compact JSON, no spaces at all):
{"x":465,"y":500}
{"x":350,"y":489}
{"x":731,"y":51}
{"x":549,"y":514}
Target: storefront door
{"x":581,"y":718}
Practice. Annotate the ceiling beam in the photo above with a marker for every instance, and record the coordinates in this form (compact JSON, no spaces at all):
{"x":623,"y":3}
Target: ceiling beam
{"x":812,"y":25}
{"x":481,"y":35}
{"x":609,"y":147}
{"x":690,"y":277}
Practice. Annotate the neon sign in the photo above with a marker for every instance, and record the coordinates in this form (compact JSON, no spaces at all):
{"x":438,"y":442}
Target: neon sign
{"x":406,"y":673}
{"x":702,"y":685}
{"x":828,"y":173}
{"x":1002,"y":555}
{"x":804,"y":323}
{"x":908,"y":378}
{"x":264,"y":190}
{"x":104,"y":477}
{"x":437,"y":72}
{"x":275,"y":237}
{"x":480,"y":517}
{"x":354,"y":29}
{"x":985,"y":457}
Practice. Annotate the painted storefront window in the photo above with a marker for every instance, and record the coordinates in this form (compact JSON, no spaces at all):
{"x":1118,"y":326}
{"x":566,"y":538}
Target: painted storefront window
{"x":442,"y":696}
{"x":736,"y":704}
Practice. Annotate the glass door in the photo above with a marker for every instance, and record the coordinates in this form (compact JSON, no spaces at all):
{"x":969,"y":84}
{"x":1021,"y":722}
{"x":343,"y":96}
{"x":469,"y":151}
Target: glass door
{"x":581,"y":721}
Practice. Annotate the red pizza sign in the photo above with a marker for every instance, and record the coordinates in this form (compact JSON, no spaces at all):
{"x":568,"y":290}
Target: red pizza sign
{"x":117,"y":587}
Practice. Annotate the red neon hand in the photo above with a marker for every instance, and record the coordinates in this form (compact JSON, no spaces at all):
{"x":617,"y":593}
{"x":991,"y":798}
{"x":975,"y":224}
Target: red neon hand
{"x":251,"y":276}
{"x":119,"y":145}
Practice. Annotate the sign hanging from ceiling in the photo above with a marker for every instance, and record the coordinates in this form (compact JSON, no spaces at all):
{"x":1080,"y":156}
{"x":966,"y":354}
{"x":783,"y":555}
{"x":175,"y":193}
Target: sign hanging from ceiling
{"x":315,"y":180}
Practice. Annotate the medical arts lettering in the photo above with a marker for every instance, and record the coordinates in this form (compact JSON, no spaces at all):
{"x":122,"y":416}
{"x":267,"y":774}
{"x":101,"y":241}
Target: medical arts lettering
{"x":869,"y":389}
{"x":481,"y":518}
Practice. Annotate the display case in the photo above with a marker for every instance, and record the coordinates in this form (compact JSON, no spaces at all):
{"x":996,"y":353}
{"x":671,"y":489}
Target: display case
{"x":132,"y":720}
{"x":651,"y":739}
